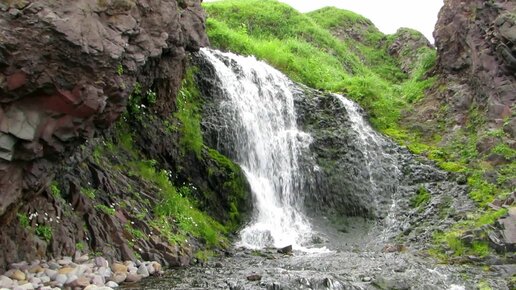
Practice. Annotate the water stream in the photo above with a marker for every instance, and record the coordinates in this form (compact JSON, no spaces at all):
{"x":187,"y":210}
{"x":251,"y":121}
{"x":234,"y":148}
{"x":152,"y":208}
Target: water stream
{"x":257,"y":101}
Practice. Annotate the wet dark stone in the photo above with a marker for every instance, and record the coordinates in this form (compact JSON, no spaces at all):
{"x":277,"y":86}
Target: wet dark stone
{"x":254,"y":277}
{"x":285,"y":250}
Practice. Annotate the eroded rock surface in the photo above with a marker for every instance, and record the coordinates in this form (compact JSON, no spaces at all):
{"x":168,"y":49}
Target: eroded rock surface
{"x":476,"y":46}
{"x":67,"y":69}
{"x":66,"y":72}
{"x":406,"y":46}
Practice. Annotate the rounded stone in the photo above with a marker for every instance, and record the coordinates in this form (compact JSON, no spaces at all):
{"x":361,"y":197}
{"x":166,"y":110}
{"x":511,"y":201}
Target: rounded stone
{"x":5,"y":282}
{"x":98,"y":280}
{"x":132,"y":278}
{"x":104,"y":272}
{"x":119,"y":268}
{"x":101,"y":262}
{"x":51,"y":273}
{"x":118,"y":277}
{"x":65,"y":270}
{"x":142,"y":270}
{"x":71,"y":278}
{"x":157,"y":266}
{"x":61,"y":279}
{"x":18,"y":275}
{"x":80,"y":282}
{"x":112,"y":284}
{"x":36,"y":269}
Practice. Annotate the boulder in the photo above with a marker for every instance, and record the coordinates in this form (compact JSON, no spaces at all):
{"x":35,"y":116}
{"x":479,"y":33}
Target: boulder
{"x":285,"y":250}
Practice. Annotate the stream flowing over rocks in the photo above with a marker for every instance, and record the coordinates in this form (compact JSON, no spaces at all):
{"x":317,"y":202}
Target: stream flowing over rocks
{"x":352,"y":189}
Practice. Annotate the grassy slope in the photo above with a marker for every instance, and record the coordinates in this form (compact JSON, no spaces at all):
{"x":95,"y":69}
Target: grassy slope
{"x":309,"y":49}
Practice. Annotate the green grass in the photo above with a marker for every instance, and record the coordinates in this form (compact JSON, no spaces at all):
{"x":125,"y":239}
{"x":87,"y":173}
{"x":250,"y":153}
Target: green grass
{"x":55,"y":190}
{"x":105,"y":209}
{"x":204,"y":255}
{"x":23,"y":220}
{"x":44,"y":232}
{"x":174,"y":208}
{"x":135,"y":233}
{"x":89,"y":192}
{"x":303,"y":47}
{"x":80,"y":246}
{"x":504,"y":150}
{"x":422,"y":197}
{"x":188,"y":113}
{"x":451,"y":239}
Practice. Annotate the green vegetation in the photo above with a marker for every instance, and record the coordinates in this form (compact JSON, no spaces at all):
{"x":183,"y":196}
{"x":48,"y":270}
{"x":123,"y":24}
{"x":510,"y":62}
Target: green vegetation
{"x":235,"y":186}
{"x":89,"y":192}
{"x":204,"y":255}
{"x":105,"y":209}
{"x":451,"y":239}
{"x":120,"y":69}
{"x":24,"y":220}
{"x":80,"y":246}
{"x":135,"y":233}
{"x":341,"y":51}
{"x":483,"y":285}
{"x":505,"y":151}
{"x":54,"y":189}
{"x":175,"y":215}
{"x":188,"y":113}
{"x":303,"y":47}
{"x":44,"y":232}
{"x":139,"y":101}
{"x":422,"y":197}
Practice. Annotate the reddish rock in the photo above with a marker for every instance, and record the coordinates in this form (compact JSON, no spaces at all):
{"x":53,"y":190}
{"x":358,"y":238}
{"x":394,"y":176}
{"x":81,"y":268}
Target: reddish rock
{"x":476,"y":47}
{"x":66,"y":72}
{"x":16,"y":80}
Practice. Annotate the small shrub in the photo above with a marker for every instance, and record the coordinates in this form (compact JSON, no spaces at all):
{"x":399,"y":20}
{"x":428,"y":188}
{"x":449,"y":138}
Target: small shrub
{"x":44,"y":232}
{"x":79,"y":246}
{"x":54,"y":189}
{"x":89,"y":192}
{"x":421,"y":198}
{"x":105,"y":209}
{"x":24,"y":220}
{"x":452,"y":166}
{"x":135,"y":233}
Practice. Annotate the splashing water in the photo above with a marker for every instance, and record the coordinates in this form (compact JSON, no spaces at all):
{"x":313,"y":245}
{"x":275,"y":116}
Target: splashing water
{"x":267,"y":143}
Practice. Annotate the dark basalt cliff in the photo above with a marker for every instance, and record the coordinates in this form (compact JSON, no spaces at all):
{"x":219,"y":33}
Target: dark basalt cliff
{"x":69,"y":182}
{"x":67,"y":69}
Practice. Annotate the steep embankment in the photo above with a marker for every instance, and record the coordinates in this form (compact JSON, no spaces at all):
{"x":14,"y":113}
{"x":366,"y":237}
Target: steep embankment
{"x":406,"y":88}
{"x":68,"y":71}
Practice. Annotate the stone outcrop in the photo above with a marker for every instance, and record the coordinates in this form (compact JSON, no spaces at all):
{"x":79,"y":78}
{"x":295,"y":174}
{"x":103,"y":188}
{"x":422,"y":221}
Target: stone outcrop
{"x":476,"y":43}
{"x":405,"y":47}
{"x":68,"y":68}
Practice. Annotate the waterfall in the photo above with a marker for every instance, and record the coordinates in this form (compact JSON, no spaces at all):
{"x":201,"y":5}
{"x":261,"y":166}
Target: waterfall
{"x":378,"y":162}
{"x":258,"y":104}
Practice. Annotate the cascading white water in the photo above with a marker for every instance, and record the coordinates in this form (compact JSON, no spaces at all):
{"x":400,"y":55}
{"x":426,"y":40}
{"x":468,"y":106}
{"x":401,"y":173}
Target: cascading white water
{"x":260,"y":106}
{"x":371,"y":145}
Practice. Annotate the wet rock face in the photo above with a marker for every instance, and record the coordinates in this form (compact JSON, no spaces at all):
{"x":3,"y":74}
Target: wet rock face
{"x":67,"y":69}
{"x":476,"y":42}
{"x":351,"y":176}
